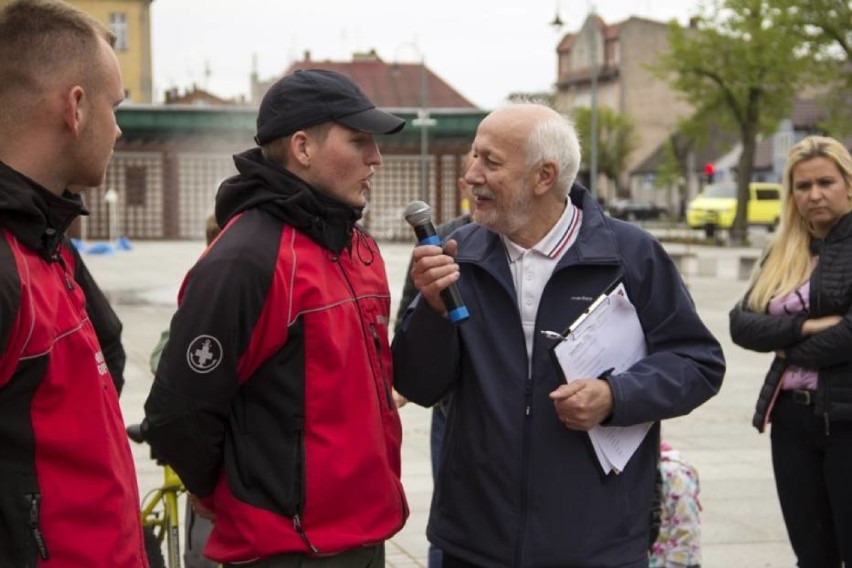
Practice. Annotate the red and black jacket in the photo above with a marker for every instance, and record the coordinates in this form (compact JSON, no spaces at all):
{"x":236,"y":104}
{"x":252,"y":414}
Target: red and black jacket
{"x":273,"y":394}
{"x":68,"y":494}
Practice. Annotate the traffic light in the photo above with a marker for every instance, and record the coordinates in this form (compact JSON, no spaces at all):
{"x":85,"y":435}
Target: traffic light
{"x":709,"y":171}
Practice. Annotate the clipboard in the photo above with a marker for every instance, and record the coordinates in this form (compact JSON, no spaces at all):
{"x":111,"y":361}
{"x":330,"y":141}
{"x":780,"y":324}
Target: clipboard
{"x":600,"y":302}
{"x":607,"y":338}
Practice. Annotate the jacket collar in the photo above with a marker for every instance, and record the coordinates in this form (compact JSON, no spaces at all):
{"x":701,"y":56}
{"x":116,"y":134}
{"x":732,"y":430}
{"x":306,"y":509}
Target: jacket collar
{"x":842,"y":230}
{"x":596,"y":242}
{"x":37,"y":217}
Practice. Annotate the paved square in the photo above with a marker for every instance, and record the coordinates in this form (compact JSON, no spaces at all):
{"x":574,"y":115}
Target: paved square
{"x":742,"y":523}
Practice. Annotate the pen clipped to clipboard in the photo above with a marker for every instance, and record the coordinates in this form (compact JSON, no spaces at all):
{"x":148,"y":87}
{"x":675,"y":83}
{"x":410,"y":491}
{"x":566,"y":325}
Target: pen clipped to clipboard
{"x":606,"y":338}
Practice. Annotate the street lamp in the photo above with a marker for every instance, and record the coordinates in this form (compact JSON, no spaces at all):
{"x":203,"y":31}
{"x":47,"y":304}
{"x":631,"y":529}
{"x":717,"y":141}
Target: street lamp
{"x":593,"y":126}
{"x":111,"y":199}
{"x":557,"y":22}
{"x":424,"y":122}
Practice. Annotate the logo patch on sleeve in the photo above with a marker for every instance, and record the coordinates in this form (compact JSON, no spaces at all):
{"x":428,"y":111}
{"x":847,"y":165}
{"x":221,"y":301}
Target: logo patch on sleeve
{"x":204,"y":354}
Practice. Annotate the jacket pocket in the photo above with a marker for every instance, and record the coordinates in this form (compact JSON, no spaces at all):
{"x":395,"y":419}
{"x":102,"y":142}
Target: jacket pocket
{"x":268,"y":470}
{"x":21,"y":537}
{"x":265,"y":438}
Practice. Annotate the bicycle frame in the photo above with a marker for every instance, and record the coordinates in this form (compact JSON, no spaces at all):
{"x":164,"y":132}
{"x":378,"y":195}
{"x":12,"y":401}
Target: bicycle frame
{"x":160,"y":512}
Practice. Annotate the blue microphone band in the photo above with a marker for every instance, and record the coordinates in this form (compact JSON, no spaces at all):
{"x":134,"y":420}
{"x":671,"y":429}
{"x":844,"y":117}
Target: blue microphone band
{"x":418,"y":215}
{"x":458,"y":314}
{"x":430,"y":240}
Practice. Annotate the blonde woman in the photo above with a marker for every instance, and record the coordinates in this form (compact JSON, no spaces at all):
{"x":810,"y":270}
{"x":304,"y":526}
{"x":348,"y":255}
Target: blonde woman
{"x":798,"y":306}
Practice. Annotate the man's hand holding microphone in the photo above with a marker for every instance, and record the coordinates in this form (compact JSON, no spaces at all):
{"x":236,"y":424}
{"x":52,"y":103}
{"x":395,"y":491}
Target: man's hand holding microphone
{"x":434,"y":270}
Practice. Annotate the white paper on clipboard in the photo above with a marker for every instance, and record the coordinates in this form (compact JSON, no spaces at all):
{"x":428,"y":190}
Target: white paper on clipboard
{"x":607,"y":337}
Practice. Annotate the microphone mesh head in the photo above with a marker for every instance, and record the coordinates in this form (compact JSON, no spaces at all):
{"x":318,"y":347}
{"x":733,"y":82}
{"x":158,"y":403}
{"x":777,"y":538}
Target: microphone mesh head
{"x":418,"y":213}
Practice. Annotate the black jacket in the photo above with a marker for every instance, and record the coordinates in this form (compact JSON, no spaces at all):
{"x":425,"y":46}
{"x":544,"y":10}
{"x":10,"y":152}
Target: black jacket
{"x":828,"y":352}
{"x":515,"y":487}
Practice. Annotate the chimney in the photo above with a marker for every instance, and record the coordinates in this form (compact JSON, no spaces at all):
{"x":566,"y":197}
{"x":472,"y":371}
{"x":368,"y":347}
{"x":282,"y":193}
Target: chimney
{"x":366,"y":56}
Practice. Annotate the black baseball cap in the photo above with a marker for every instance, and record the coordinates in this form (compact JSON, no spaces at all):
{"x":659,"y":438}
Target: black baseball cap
{"x":309,"y":97}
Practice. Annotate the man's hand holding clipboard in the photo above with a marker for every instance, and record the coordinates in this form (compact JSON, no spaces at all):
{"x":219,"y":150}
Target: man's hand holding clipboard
{"x":606,"y":339}
{"x":582,"y":404}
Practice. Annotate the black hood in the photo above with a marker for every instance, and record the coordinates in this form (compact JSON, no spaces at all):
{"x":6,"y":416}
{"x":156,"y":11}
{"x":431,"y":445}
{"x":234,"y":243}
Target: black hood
{"x":265,"y":185}
{"x":37,"y":217}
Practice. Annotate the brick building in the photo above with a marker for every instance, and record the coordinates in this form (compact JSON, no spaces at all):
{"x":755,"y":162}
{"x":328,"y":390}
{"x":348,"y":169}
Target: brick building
{"x":622,"y":52}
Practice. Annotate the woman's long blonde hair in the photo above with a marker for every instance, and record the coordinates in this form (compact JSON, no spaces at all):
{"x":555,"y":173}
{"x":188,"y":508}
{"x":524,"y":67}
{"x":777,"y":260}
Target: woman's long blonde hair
{"x":787,"y":263}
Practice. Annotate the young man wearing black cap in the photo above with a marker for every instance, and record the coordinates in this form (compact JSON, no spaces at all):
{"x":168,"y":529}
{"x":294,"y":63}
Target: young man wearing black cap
{"x":272,"y":398}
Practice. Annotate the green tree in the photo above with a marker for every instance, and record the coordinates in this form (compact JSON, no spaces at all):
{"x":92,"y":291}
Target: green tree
{"x":616,"y":140}
{"x":671,"y":174}
{"x":740,"y":64}
{"x":671,"y":170}
{"x":543,"y":97}
{"x":824,"y":27}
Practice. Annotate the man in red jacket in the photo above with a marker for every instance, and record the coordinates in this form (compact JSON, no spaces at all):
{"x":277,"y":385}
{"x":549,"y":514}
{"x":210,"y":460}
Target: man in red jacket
{"x":68,"y":495}
{"x":273,"y":398}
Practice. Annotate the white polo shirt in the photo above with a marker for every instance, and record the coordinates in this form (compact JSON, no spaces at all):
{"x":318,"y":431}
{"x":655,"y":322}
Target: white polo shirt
{"x":531,"y":268}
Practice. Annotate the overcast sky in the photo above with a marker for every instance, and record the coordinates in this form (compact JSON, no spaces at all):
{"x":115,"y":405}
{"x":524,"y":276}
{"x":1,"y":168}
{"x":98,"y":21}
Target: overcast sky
{"x":485,"y":49}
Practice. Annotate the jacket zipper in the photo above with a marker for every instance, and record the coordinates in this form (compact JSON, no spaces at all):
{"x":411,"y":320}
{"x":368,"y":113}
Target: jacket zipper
{"x":68,"y":284}
{"x":388,"y":396}
{"x":519,"y":545}
{"x":816,"y":284}
{"x":378,"y":343}
{"x":35,"y":529}
{"x":375,"y":337}
{"x":297,"y":526}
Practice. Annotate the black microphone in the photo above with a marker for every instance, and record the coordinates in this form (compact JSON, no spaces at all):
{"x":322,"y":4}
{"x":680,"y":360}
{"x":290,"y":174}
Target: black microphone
{"x":419,"y":215}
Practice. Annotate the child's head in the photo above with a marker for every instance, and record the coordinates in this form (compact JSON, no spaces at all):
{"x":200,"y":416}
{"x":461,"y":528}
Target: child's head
{"x":211,"y":229}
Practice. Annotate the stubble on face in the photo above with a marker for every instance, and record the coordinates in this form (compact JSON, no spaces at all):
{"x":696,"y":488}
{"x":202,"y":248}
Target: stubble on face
{"x":508,"y":214}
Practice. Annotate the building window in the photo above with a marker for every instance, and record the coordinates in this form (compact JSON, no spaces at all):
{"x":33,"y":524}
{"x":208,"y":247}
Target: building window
{"x":136,"y":181}
{"x":118,"y":26}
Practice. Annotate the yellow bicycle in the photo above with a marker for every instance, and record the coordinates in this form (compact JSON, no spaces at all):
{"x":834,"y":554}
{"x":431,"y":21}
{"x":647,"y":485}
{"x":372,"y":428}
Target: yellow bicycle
{"x":160,"y":521}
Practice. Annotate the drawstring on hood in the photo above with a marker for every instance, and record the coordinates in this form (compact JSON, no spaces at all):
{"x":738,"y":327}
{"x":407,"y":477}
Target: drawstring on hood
{"x":266,"y":185}
{"x":362,"y":243}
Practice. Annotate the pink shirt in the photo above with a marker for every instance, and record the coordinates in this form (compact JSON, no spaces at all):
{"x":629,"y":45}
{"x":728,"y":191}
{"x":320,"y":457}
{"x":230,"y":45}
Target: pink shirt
{"x":795,"y":302}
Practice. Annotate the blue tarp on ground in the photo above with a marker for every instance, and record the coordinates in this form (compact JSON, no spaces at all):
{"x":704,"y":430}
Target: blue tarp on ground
{"x":106,"y":249}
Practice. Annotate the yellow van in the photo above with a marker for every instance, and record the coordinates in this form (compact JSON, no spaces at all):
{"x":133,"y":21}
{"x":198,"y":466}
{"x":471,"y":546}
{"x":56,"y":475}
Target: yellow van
{"x":716,"y":206}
